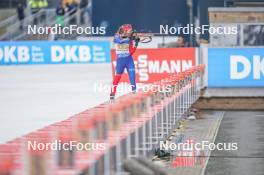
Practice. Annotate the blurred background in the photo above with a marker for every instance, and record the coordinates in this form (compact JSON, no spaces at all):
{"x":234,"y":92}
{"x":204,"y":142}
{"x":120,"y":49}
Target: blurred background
{"x":145,"y":16}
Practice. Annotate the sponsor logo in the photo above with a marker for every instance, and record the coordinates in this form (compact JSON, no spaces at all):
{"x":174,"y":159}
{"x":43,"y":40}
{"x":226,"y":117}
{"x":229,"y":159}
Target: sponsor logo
{"x":12,"y":53}
{"x":236,"y":67}
{"x":254,"y":65}
{"x":154,"y":64}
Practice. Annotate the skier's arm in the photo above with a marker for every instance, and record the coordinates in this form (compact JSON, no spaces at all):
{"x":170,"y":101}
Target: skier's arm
{"x":132,"y":47}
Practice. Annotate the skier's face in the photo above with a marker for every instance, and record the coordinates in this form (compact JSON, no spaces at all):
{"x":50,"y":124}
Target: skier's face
{"x":129,"y":31}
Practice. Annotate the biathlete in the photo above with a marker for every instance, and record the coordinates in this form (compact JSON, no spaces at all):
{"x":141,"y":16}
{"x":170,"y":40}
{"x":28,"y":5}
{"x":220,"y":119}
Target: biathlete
{"x":126,"y":42}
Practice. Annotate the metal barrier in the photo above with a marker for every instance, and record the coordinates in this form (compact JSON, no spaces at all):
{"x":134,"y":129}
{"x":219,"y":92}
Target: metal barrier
{"x":107,"y":134}
{"x":81,"y":18}
{"x":13,"y":30}
{"x":43,"y":18}
{"x":50,"y":21}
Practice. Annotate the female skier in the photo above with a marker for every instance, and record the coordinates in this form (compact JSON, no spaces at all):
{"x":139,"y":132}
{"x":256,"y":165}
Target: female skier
{"x":126,"y":42}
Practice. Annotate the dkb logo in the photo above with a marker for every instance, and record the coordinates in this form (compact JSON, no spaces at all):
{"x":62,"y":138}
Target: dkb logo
{"x":241,"y":67}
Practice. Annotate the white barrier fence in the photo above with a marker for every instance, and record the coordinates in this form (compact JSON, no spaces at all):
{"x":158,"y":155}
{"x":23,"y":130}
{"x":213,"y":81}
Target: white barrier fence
{"x":108,"y":134}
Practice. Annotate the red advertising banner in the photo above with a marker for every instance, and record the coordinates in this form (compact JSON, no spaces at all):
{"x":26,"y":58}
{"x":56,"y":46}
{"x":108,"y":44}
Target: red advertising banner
{"x":154,"y":64}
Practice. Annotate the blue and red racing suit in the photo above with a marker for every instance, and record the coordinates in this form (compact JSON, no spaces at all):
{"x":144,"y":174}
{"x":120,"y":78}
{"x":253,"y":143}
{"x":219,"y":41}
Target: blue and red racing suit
{"x":124,"y":50}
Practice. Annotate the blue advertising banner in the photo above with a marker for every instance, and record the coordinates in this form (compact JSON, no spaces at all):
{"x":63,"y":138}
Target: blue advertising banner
{"x":54,"y":52}
{"x":236,"y":67}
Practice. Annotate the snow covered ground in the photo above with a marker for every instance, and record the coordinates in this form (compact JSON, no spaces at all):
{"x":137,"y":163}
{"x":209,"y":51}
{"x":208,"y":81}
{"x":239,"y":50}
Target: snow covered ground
{"x":32,"y":97}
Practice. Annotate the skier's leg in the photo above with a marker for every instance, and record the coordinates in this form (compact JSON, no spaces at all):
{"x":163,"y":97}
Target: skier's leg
{"x":120,"y":66}
{"x":131,"y":73}
{"x":114,"y":85}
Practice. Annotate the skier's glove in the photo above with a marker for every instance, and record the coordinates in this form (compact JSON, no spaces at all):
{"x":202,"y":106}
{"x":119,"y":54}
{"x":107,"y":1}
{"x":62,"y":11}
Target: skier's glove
{"x":137,"y":39}
{"x":133,"y":35}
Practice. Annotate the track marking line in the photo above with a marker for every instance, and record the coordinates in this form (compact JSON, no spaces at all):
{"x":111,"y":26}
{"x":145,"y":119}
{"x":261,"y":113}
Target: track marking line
{"x":215,"y":134}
